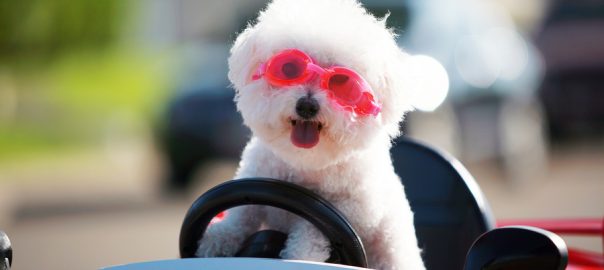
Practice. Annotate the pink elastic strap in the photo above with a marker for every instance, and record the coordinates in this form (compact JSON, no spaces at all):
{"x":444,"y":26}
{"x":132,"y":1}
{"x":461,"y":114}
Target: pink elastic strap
{"x":259,"y":72}
{"x":315,"y":68}
{"x":375,"y":109}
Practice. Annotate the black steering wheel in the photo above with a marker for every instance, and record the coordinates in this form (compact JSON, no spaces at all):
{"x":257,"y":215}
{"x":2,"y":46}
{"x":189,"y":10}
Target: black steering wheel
{"x":345,"y":242}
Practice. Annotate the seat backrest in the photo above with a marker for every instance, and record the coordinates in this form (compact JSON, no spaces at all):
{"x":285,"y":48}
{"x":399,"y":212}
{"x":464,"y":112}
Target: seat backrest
{"x":449,"y":207}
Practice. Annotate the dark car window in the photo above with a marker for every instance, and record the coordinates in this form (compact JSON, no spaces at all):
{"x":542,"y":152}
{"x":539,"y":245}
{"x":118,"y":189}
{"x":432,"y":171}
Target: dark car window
{"x":576,"y":10}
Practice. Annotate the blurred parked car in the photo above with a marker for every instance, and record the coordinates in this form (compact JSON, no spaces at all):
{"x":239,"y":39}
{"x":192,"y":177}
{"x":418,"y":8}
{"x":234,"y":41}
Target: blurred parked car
{"x":201,"y":122}
{"x":572,"y":44}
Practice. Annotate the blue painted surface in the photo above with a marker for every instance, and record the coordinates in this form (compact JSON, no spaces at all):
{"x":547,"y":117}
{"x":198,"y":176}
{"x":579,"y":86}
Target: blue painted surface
{"x":231,"y":263}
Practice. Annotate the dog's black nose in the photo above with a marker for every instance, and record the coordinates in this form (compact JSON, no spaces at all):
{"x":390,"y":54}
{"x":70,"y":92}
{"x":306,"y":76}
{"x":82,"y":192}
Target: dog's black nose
{"x":307,"y":107}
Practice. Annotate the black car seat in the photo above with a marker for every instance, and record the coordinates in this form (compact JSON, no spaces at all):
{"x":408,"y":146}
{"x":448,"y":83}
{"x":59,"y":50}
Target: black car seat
{"x":450,"y":209}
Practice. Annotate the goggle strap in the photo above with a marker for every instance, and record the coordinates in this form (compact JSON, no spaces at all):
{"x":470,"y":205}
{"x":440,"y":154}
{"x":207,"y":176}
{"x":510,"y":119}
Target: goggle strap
{"x":259,"y":72}
{"x":315,"y":68}
{"x":375,"y":109}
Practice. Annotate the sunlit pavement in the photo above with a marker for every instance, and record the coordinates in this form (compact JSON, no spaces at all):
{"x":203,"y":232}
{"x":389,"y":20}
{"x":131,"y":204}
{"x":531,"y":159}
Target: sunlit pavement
{"x":89,"y":224}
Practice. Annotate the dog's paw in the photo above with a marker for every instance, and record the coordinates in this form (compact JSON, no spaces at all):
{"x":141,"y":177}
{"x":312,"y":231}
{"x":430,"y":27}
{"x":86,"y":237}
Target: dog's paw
{"x":215,"y":244}
{"x":317,"y":252}
{"x":305,"y":242}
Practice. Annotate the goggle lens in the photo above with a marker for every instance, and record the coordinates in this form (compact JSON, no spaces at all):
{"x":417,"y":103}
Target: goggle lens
{"x":344,"y":86}
{"x":287,"y":68}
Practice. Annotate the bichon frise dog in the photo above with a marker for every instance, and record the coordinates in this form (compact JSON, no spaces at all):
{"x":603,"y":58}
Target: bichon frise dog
{"x":323,"y":86}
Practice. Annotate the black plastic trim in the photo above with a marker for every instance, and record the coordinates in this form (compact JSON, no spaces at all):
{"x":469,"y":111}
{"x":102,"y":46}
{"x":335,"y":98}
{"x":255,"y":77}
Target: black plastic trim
{"x":518,"y":248}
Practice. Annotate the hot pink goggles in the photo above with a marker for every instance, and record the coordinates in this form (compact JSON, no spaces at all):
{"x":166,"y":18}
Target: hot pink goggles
{"x":343,"y":85}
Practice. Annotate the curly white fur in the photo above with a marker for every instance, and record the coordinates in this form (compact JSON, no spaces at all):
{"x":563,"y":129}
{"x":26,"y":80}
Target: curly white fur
{"x":351,"y":165}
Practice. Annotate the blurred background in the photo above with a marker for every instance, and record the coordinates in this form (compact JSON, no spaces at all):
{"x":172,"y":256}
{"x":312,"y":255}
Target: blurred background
{"x":115,"y":115}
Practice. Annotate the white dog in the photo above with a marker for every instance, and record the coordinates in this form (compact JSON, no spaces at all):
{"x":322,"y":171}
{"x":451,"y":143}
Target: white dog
{"x":306,"y":132}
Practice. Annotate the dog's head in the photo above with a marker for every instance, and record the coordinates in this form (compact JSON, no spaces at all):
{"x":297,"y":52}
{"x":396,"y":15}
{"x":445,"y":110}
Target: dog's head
{"x":301,"y":122}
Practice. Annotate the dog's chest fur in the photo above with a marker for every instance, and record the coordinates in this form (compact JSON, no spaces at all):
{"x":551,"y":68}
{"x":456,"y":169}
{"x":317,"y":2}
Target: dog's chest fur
{"x":361,"y":187}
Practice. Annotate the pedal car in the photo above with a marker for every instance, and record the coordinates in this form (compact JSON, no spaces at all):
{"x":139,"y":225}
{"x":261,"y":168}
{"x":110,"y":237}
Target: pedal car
{"x":454,"y":225}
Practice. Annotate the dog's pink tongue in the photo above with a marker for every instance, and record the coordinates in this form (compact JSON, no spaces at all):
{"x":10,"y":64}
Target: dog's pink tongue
{"x":305,"y":134}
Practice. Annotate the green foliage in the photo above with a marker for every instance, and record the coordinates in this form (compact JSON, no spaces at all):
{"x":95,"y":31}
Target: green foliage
{"x":20,"y":142}
{"x":47,"y":28}
{"x":73,"y":101}
{"x":97,"y":85}
{"x":71,"y":77}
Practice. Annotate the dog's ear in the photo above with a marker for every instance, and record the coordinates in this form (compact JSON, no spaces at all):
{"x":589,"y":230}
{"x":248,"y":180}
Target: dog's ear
{"x":244,"y":59}
{"x":399,"y":90}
